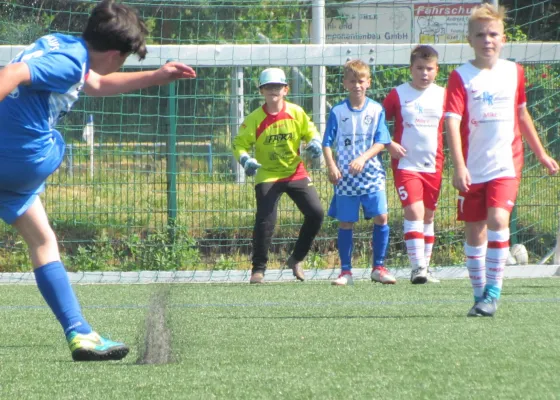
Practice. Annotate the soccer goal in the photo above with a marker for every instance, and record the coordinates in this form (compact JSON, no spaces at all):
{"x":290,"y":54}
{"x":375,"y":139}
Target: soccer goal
{"x":167,"y":197}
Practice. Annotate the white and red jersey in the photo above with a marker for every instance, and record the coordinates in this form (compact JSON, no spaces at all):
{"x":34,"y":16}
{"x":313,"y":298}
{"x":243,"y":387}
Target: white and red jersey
{"x":487,"y":103}
{"x":418,"y":116}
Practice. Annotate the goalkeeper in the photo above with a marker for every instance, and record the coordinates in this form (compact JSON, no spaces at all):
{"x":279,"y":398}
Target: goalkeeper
{"x":37,"y":89}
{"x":276,"y":130}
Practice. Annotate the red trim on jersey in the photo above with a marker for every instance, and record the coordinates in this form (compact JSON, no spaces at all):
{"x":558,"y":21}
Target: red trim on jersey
{"x":498,"y":245}
{"x":429,"y":239}
{"x":413,"y":235}
{"x":272,"y":118}
{"x":392,"y":105}
{"x":300,"y":173}
{"x":456,"y":103}
{"x":517,"y":145}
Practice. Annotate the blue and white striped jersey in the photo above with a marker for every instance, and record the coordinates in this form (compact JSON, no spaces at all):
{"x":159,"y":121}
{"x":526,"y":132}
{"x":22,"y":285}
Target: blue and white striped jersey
{"x":351,"y":133}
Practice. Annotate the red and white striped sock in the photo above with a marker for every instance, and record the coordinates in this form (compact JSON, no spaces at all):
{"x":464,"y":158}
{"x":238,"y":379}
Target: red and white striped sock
{"x":414,"y":240}
{"x":496,"y":257}
{"x":476,"y":258}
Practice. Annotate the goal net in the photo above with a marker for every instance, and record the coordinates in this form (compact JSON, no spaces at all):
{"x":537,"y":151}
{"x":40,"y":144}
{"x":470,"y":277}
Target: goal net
{"x":158,"y":191}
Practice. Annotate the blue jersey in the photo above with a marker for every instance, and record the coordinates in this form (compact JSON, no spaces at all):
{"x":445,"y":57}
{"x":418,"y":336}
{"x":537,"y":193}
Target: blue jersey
{"x":58,"y":65}
{"x":351,"y":133}
{"x":31,"y":148}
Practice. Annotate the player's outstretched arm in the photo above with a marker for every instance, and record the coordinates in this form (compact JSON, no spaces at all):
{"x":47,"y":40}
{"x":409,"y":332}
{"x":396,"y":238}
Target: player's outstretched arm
{"x":12,"y":76}
{"x":530,"y":134}
{"x":122,"y":82}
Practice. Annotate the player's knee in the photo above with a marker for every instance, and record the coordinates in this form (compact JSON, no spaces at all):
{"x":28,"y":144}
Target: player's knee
{"x":346,"y":225}
{"x":380,"y":219}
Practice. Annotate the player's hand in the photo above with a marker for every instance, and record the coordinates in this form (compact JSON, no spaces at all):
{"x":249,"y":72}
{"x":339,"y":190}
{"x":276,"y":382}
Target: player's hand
{"x":334,"y":175}
{"x":550,"y":164}
{"x":396,"y":150}
{"x":314,"y":148}
{"x":461,"y":179}
{"x":356,"y":166}
{"x":174,"y":70}
{"x":249,"y":164}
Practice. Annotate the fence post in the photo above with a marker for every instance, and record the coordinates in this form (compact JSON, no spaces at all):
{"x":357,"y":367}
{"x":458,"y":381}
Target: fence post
{"x":236,"y":116}
{"x":172,"y":162}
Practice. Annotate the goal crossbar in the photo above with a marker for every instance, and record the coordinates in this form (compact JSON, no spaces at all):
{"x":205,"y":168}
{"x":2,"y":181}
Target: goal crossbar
{"x":218,"y":55}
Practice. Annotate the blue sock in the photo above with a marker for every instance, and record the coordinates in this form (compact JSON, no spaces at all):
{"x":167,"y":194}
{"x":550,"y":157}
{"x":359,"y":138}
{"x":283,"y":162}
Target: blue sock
{"x":345,"y":248}
{"x":380,"y":242}
{"x":493,"y":291}
{"x":55,"y":287}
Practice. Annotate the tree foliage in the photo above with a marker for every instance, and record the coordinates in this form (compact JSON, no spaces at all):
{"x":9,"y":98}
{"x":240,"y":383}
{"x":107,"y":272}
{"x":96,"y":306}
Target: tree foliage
{"x":211,"y":21}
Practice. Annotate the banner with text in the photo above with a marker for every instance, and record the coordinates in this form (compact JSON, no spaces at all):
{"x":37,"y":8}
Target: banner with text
{"x":412,"y":22}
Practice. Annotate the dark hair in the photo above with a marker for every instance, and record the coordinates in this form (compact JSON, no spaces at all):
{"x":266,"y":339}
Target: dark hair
{"x":113,"y":26}
{"x":423,"y":52}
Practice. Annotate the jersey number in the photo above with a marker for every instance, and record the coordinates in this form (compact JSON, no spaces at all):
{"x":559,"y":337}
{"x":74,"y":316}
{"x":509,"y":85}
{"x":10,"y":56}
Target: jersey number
{"x":403,"y":194}
{"x":461,"y":200}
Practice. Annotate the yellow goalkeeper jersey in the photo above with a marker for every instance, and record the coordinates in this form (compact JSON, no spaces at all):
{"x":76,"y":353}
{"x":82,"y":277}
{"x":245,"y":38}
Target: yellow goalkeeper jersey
{"x":276,"y":139}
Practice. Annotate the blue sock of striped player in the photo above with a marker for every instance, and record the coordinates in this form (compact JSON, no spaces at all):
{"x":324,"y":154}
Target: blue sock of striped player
{"x":345,"y":248}
{"x":55,"y":287}
{"x":380,"y":241}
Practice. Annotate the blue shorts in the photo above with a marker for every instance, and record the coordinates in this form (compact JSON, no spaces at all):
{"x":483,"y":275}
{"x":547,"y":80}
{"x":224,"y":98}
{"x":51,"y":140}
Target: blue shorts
{"x":23,"y":176}
{"x":347,"y":208}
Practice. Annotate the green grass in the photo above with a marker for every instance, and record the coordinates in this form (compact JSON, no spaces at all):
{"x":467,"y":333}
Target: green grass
{"x":294,"y":341}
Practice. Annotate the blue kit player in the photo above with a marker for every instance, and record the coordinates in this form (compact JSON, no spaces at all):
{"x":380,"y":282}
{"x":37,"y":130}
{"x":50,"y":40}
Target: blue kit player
{"x":37,"y":89}
{"x":357,"y":133}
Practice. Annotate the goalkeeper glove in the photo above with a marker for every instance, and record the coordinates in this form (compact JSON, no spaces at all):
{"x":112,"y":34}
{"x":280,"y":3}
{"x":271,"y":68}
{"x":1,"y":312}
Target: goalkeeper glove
{"x":314,"y":148}
{"x":249,"y":164}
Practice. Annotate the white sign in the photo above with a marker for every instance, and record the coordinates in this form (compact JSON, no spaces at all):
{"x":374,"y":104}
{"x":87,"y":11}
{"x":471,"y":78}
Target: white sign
{"x":370,"y":24}
{"x":414,"y":22}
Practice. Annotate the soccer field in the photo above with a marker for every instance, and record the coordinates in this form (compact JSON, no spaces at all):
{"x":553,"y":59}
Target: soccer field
{"x":292,"y":340}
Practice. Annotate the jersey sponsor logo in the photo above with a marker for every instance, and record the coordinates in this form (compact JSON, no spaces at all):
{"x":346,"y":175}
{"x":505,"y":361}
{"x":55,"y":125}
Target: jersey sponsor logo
{"x":279,"y":155}
{"x":487,"y":98}
{"x":53,"y":43}
{"x":280,"y":137}
{"x":425,"y":122}
{"x":419,"y":109}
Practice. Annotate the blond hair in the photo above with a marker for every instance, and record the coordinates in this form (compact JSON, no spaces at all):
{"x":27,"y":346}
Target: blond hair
{"x":487,"y":12}
{"x":358,"y":68}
